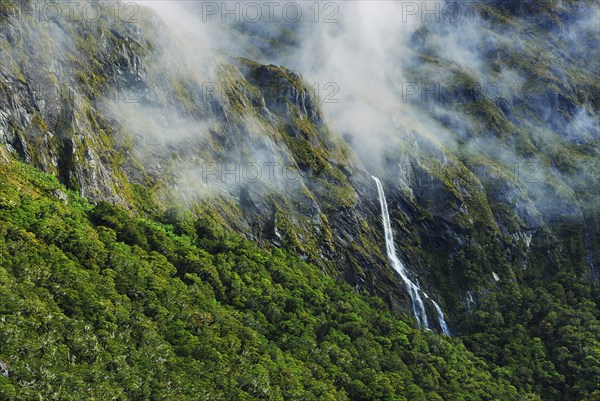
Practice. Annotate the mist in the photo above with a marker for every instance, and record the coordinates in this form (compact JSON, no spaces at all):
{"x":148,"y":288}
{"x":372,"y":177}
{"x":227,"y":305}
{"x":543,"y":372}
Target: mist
{"x":365,"y":63}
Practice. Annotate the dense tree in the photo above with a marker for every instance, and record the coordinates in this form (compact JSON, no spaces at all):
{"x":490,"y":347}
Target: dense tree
{"x":97,"y":304}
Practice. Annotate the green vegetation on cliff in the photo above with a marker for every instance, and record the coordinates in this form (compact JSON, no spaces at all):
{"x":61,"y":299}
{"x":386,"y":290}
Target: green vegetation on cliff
{"x":96,"y":304}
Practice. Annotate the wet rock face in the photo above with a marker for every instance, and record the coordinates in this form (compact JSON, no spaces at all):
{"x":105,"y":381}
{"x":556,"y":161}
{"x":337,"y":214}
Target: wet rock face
{"x":281,"y":87}
{"x":50,"y":81}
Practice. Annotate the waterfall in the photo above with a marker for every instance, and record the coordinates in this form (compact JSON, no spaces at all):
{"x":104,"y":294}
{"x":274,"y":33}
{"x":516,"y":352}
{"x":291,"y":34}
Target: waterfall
{"x":418,"y":306}
{"x":441,"y":319}
{"x":413,"y":290}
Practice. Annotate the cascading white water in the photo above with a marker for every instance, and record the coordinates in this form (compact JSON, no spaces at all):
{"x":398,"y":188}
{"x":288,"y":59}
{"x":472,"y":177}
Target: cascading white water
{"x":413,"y":289}
{"x":441,"y":318}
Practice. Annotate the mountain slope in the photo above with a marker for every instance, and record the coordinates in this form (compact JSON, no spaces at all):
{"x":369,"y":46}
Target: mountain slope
{"x":487,"y":145}
{"x":96,"y":304}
